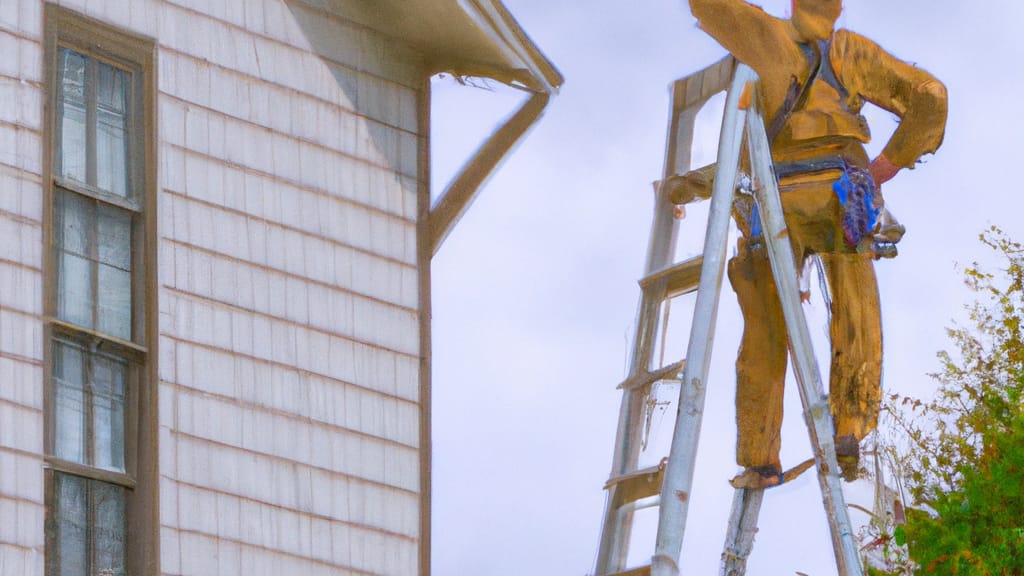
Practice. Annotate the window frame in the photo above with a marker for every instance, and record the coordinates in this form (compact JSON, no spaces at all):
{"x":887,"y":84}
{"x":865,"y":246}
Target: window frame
{"x":136,"y":54}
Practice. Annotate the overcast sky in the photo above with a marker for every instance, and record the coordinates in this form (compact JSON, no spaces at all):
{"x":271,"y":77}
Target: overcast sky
{"x":535,"y":291}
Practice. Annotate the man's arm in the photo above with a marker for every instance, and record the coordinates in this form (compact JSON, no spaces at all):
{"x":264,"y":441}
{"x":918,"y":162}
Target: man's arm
{"x":914,"y":95}
{"x":753,"y":36}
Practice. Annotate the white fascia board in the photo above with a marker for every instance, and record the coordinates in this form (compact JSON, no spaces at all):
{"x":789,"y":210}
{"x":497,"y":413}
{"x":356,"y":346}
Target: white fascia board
{"x":498,"y":24}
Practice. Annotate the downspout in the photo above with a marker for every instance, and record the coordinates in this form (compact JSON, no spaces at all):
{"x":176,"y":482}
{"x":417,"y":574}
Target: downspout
{"x":461,"y":192}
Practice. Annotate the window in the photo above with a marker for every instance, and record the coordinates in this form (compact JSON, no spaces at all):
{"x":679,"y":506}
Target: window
{"x":90,"y":526}
{"x":89,"y":406}
{"x":99,"y":401}
{"x":92,"y":125}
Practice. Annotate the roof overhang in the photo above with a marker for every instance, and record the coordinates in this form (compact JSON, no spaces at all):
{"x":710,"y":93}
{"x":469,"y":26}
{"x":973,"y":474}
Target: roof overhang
{"x":463,"y":37}
{"x":481,"y":38}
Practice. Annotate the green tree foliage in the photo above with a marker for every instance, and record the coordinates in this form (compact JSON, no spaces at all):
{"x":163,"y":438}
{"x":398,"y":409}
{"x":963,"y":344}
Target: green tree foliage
{"x":960,"y":456}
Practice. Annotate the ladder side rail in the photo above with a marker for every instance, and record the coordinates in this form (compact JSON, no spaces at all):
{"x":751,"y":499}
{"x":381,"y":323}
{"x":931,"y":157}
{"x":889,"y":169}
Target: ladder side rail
{"x":615,"y":528}
{"x":665,"y":227}
{"x":816,"y":411}
{"x":626,"y":450}
{"x":678,"y":481}
{"x":746,"y":506}
{"x":617,"y":525}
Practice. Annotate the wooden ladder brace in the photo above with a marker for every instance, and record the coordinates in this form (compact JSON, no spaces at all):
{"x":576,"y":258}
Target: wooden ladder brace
{"x":672,"y":480}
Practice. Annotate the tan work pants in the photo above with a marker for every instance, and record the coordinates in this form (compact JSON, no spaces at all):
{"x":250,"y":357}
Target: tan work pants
{"x":812,"y":213}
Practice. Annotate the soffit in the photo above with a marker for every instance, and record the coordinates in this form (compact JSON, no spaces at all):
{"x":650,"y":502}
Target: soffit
{"x":464,"y":37}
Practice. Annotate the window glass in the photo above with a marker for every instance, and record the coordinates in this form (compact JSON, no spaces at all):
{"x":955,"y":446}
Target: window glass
{"x":115,"y":302}
{"x":115,"y":237}
{"x":73,"y":226}
{"x":74,"y":290}
{"x":111,"y":131}
{"x":71,"y":111}
{"x":109,"y":529}
{"x":70,"y":432}
{"x":108,"y":412}
{"x":72,"y":511}
{"x":114,"y":270}
{"x":74,"y":222}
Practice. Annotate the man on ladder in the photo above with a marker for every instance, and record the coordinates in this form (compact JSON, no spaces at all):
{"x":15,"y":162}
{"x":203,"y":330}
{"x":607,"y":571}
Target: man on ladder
{"x":813,"y":83}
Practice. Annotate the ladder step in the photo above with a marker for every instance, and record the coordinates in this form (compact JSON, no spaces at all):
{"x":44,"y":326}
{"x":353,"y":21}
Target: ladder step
{"x":681,"y":278}
{"x":646,"y":378}
{"x":637,"y":485}
{"x":641,"y":571}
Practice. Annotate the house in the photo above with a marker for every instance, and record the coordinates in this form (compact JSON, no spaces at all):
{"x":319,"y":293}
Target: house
{"x":215,"y":245}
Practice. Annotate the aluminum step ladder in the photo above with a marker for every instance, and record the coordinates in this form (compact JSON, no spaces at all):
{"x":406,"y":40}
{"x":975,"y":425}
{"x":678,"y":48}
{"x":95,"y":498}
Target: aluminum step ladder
{"x":668,"y":485}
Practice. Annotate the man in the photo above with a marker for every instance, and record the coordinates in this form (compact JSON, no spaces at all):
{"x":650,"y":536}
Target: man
{"x":813,"y":83}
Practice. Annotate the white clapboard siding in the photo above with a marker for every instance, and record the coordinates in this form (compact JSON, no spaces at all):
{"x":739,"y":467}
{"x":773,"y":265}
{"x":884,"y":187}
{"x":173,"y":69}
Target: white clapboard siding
{"x":288,"y":205}
{"x":288,"y":356}
{"x":21,"y":322}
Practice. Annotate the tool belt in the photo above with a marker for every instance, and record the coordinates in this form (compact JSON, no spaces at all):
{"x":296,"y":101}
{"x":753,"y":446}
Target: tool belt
{"x":855,"y":190}
{"x":787,"y":169}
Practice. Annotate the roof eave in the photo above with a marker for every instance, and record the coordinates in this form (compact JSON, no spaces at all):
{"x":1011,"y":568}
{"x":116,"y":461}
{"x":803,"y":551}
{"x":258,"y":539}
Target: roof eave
{"x":526,"y":64}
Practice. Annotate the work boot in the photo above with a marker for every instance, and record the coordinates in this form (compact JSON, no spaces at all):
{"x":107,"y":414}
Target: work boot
{"x":848,"y":455}
{"x":761,"y":477}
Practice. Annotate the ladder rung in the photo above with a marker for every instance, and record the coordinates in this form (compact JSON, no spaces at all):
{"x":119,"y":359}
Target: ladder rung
{"x":646,"y":378}
{"x":637,"y":485}
{"x":682,"y":278}
{"x":641,"y":571}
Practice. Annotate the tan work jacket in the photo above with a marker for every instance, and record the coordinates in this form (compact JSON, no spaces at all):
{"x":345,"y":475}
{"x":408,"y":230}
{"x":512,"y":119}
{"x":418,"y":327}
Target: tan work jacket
{"x":830,"y":122}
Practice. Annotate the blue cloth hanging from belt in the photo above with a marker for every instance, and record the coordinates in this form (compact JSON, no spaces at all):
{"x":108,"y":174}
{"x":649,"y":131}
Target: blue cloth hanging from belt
{"x":856,"y":192}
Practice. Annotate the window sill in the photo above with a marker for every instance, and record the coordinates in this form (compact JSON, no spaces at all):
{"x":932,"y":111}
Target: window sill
{"x":119,"y":345}
{"x":109,"y":476}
